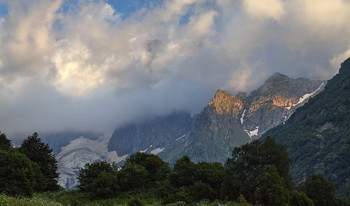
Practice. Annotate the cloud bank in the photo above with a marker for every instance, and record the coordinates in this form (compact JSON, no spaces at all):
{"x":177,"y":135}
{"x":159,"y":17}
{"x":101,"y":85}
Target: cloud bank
{"x":85,"y":66}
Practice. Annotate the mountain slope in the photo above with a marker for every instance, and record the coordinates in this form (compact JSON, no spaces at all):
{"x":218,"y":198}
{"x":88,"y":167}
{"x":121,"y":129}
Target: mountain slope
{"x":317,"y":135}
{"x":152,"y":135}
{"x":216,"y":132}
{"x":229,"y":121}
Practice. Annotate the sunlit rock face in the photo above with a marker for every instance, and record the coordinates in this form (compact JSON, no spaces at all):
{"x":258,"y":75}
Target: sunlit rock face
{"x":225,"y":103}
{"x":231,"y":120}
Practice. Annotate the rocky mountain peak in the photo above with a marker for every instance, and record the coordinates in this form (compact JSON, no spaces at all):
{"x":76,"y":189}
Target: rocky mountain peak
{"x":275,"y":77}
{"x":226,"y":103}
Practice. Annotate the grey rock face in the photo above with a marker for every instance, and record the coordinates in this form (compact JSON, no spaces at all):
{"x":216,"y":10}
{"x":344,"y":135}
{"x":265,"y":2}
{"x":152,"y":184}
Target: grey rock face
{"x":230,"y":121}
{"x":150,"y":136}
{"x":216,"y":132}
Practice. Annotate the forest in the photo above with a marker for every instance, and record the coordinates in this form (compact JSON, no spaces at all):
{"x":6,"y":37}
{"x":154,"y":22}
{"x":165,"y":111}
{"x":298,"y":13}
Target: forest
{"x":257,"y":173}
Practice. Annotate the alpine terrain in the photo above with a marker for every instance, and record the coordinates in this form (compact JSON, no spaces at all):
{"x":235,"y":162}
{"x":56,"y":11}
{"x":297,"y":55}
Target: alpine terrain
{"x":226,"y":122}
{"x":229,"y":121}
{"x":317,"y":135}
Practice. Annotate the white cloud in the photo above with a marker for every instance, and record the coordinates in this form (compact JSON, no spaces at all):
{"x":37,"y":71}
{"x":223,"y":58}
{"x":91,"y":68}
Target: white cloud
{"x":201,"y":25}
{"x":87,"y":68}
{"x":273,"y":9}
{"x":76,"y":73}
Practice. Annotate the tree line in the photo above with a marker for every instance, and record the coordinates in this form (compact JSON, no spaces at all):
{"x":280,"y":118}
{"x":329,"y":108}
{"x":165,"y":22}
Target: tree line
{"x":256,"y":174}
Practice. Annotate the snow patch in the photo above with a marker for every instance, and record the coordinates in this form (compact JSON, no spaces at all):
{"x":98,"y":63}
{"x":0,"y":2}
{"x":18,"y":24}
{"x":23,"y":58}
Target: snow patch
{"x":143,"y":151}
{"x":306,"y":96}
{"x":242,"y":117}
{"x":157,"y":151}
{"x":253,"y":133}
{"x":180,"y":137}
{"x":81,"y":151}
{"x":285,"y":118}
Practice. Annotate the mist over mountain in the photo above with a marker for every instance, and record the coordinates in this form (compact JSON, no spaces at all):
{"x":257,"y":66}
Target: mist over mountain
{"x":226,"y":122}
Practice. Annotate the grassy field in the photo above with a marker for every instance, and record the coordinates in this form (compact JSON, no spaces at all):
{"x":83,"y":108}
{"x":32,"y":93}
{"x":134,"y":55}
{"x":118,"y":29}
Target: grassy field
{"x":35,"y":201}
{"x":77,"y":199}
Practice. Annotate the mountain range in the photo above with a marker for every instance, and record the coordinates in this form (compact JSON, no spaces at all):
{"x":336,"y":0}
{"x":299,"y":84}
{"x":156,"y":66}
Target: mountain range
{"x":226,"y":122}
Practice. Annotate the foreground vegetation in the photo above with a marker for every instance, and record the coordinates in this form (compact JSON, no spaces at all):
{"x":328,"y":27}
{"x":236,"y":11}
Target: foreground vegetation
{"x":257,"y":174}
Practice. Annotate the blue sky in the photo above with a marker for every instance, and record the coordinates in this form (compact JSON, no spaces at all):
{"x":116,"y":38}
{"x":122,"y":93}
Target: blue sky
{"x":3,"y":10}
{"x":125,"y":7}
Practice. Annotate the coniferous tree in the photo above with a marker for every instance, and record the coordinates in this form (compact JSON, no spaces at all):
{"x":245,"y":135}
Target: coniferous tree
{"x":41,"y":154}
{"x":5,"y":143}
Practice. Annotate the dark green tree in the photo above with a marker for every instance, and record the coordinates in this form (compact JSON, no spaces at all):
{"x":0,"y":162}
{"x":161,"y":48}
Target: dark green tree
{"x":5,"y":143}
{"x":106,"y":185}
{"x":17,"y":176}
{"x":184,"y":172}
{"x":298,"y":198}
{"x":211,"y":173}
{"x":133,"y":176}
{"x":251,"y":160}
{"x":42,"y":155}
{"x":320,"y":190}
{"x":270,"y":189}
{"x":201,"y":191}
{"x":96,"y":174}
{"x":157,"y":169}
